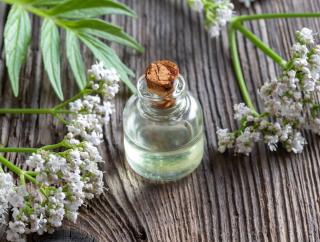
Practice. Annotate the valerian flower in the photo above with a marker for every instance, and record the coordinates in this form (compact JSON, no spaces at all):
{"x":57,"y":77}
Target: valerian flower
{"x":66,"y":179}
{"x":216,"y":13}
{"x":92,"y":111}
{"x":6,"y":186}
{"x":289,"y":104}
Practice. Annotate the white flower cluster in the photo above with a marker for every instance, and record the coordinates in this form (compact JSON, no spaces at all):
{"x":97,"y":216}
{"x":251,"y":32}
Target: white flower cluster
{"x":64,"y":180}
{"x":216,"y":13}
{"x":67,"y":179}
{"x":6,"y":186}
{"x":289,"y":104}
{"x":92,"y":112}
{"x":106,"y":81}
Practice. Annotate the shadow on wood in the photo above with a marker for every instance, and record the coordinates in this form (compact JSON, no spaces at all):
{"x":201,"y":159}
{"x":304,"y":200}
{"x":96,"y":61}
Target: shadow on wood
{"x":64,"y":235}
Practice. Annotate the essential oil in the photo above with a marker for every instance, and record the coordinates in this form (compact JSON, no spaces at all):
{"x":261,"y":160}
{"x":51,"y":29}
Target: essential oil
{"x":163,"y":126}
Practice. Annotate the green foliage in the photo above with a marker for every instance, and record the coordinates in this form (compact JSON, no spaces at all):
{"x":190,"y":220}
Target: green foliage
{"x":75,"y":59}
{"x":80,"y":22}
{"x":17,"y":35}
{"x":50,"y":52}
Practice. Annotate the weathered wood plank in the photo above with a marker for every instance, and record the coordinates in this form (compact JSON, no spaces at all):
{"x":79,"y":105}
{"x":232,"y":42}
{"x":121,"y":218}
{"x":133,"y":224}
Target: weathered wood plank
{"x":264,"y":197}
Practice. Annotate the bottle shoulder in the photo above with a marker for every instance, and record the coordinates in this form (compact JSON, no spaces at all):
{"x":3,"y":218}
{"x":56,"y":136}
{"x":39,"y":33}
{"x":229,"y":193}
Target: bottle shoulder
{"x":191,"y":110}
{"x":166,"y":133}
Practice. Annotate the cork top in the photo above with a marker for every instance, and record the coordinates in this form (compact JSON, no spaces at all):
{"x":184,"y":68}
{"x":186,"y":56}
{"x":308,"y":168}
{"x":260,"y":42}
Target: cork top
{"x":160,"y":76}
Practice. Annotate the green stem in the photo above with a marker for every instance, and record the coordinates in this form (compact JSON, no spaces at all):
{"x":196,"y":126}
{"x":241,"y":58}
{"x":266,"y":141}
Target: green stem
{"x":15,"y":169}
{"x":33,"y":111}
{"x":237,"y":68}
{"x":22,"y":178}
{"x":75,"y":97}
{"x":276,"y":15}
{"x":30,"y":178}
{"x":26,"y":111}
{"x":54,"y":146}
{"x":260,"y":44}
{"x":10,"y":166}
{"x":31,"y":173}
{"x":33,"y":150}
{"x":61,"y":119}
{"x":17,"y":150}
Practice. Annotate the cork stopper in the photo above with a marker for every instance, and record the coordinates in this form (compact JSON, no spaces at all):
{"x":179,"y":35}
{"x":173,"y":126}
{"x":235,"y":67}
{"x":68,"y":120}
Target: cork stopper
{"x":160,"y":76}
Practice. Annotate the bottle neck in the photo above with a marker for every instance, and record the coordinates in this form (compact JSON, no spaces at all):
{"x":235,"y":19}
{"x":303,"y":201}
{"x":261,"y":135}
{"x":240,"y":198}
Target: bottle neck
{"x":170,"y":105}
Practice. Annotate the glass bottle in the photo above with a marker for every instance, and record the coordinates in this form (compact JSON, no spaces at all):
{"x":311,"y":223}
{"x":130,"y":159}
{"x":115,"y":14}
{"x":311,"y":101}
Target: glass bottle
{"x":163,"y":137}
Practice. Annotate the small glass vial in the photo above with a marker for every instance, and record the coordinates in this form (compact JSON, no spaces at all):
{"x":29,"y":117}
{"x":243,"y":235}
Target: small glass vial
{"x":163,"y":126}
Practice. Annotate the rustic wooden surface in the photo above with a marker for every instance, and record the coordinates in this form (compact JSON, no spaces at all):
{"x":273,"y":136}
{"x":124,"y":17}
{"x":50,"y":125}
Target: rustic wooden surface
{"x":264,"y":197}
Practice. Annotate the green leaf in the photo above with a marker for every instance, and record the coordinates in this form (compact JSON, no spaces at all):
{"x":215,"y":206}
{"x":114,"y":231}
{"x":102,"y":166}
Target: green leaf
{"x":106,"y":7}
{"x":105,"y":30}
{"x":50,"y":42}
{"x":46,"y":2}
{"x":17,"y":35}
{"x":93,"y":24}
{"x":93,"y":13}
{"x":107,"y":55}
{"x":120,"y":38}
{"x":75,"y":59}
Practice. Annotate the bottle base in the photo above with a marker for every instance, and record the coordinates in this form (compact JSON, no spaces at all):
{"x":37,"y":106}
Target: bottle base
{"x":159,"y":179}
{"x":164,"y":166}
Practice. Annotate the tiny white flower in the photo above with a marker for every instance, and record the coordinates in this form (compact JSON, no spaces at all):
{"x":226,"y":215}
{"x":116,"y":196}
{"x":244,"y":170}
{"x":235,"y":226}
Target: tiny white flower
{"x":305,"y":36}
{"x":225,"y":139}
{"x":298,"y":142}
{"x":242,"y":111}
{"x":309,"y":85}
{"x":224,"y":14}
{"x":214,"y":31}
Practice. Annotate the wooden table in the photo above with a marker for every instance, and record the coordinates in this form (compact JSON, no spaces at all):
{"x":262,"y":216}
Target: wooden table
{"x":263,"y":197}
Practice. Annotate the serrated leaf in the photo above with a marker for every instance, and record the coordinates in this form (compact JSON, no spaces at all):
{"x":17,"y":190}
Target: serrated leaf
{"x":75,"y":59}
{"x":109,"y":7}
{"x":107,"y":55}
{"x":17,"y":35}
{"x":120,"y":38}
{"x":50,"y":42}
{"x":105,"y":30}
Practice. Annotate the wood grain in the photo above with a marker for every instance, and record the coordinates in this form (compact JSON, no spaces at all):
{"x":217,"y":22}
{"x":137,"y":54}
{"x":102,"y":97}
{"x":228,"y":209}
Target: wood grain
{"x":263,"y":197}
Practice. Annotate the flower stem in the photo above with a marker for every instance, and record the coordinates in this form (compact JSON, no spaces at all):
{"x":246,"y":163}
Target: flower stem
{"x":237,"y":68}
{"x":53,"y":111}
{"x":17,"y":150}
{"x":54,"y":146}
{"x":75,"y":97}
{"x":30,"y":178}
{"x":33,"y":150}
{"x":10,"y":166}
{"x":261,"y":45}
{"x":276,"y":15}
{"x":32,"y":173}
{"x":33,"y":111}
{"x":17,"y":170}
{"x":22,"y":178}
{"x":26,"y":111}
